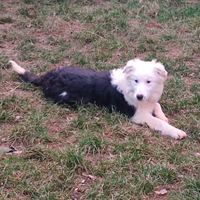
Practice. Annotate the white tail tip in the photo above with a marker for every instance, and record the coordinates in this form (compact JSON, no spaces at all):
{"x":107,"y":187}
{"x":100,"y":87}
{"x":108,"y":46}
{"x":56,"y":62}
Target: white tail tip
{"x":17,"y":68}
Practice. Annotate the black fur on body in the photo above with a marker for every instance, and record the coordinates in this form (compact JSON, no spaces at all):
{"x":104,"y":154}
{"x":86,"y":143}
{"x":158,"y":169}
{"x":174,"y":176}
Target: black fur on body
{"x":75,"y":84}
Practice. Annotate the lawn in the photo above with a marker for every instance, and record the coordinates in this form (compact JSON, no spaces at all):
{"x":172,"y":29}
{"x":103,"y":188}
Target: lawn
{"x":50,"y":151}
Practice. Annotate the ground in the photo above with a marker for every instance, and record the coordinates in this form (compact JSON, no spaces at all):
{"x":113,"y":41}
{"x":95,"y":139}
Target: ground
{"x":50,"y":151}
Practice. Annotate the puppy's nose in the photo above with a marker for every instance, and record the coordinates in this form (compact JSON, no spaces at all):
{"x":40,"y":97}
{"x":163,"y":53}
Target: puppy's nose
{"x":140,"y":97}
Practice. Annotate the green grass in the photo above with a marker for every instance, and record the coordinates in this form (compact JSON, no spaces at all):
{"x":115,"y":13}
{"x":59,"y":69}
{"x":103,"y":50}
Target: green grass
{"x":84,"y":152}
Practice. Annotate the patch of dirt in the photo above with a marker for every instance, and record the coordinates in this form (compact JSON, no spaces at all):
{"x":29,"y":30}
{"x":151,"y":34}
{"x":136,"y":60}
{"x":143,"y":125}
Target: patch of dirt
{"x":173,"y":50}
{"x":10,"y":10}
{"x":184,"y":30}
{"x":57,"y":124}
{"x":82,"y":185}
{"x":192,"y":1}
{"x":6,"y":26}
{"x":188,"y":81}
{"x":135,"y":22}
{"x":153,"y":24}
{"x":66,"y":28}
{"x":164,"y":196}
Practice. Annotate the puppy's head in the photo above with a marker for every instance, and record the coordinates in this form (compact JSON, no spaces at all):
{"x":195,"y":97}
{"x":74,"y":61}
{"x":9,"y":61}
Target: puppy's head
{"x":145,"y":79}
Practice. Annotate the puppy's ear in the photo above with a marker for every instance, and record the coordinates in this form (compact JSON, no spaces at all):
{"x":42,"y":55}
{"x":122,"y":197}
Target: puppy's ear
{"x":160,"y":70}
{"x":128,"y":69}
{"x":130,"y":66}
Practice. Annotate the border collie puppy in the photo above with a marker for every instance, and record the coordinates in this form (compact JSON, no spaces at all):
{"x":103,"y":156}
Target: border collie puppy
{"x":133,"y":90}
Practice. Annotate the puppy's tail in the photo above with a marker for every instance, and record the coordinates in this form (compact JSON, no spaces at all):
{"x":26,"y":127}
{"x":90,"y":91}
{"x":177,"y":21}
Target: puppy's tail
{"x":32,"y":78}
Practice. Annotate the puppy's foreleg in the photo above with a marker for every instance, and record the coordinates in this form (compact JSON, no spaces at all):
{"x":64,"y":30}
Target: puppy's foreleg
{"x":159,"y":113}
{"x":159,"y":125}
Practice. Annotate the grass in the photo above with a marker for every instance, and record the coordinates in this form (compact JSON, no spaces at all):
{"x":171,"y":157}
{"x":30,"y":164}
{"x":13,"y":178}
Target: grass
{"x":84,"y":152}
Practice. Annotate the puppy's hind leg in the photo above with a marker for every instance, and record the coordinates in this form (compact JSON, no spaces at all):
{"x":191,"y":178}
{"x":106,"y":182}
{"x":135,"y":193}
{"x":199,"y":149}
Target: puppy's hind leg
{"x":159,"y":113}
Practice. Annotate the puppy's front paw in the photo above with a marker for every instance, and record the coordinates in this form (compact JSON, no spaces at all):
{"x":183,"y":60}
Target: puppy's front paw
{"x":178,"y":134}
{"x":165,"y":119}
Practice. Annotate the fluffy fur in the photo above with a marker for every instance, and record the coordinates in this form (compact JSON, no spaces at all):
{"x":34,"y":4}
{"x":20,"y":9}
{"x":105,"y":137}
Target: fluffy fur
{"x":133,"y":90}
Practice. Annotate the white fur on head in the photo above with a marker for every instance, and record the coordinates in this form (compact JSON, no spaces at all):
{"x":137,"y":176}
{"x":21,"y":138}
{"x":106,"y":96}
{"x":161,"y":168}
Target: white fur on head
{"x":142,"y":78}
{"x":137,"y":63}
{"x":130,"y":65}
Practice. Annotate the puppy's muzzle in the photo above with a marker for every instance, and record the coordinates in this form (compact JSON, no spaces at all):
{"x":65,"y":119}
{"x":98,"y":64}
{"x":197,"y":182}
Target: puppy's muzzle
{"x":140,"y":97}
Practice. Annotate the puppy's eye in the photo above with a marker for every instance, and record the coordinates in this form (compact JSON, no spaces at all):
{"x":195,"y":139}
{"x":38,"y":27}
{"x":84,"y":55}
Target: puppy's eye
{"x":136,"y":81}
{"x":148,"y":82}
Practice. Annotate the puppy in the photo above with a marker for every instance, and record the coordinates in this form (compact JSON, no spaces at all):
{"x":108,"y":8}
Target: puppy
{"x":133,"y":90}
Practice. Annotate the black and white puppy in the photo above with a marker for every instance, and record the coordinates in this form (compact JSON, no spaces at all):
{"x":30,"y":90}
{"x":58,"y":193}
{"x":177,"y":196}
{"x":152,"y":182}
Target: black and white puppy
{"x":133,"y":90}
